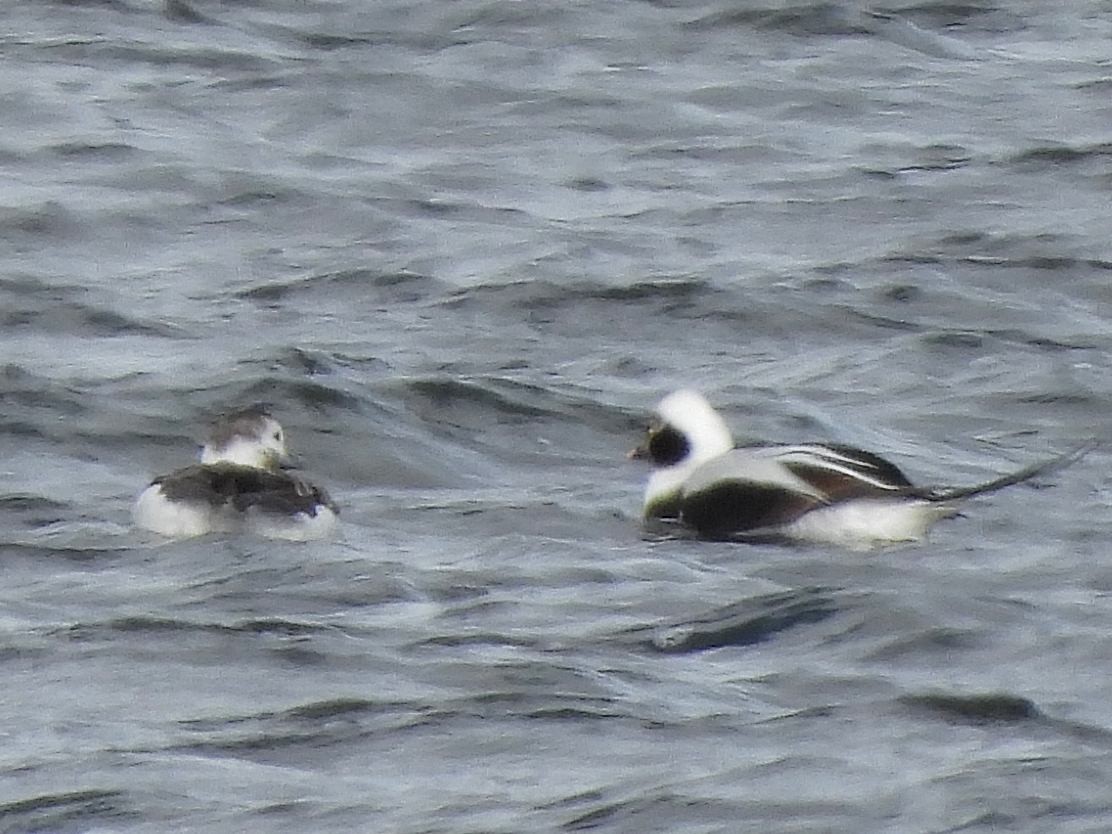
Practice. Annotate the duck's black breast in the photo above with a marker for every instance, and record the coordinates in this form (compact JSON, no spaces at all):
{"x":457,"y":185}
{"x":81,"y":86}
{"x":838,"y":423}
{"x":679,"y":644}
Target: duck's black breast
{"x":244,"y":488}
{"x":729,"y":507}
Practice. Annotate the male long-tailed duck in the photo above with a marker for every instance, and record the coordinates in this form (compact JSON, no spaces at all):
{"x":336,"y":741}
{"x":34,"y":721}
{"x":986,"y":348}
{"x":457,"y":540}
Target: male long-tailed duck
{"x":241,"y":485}
{"x":812,"y":492}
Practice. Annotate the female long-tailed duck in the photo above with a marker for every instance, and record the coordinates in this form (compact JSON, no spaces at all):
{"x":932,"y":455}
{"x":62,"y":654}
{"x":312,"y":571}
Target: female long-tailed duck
{"x":241,"y":485}
{"x":813,"y":492}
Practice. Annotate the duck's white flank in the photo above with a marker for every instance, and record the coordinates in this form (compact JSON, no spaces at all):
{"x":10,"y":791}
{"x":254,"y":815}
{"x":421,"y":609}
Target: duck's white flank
{"x":175,"y":519}
{"x":868,"y":522}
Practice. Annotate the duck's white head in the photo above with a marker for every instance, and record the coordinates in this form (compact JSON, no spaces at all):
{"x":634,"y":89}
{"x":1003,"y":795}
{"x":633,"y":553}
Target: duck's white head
{"x":684,"y":434}
{"x":250,"y":437}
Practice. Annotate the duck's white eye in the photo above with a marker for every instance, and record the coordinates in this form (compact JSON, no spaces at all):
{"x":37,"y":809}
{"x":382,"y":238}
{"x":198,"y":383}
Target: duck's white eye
{"x":278,"y":436}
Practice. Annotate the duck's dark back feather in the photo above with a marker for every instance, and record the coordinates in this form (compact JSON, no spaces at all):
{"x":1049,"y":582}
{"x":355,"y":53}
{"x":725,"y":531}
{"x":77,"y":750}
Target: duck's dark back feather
{"x":872,"y":464}
{"x":244,"y":488}
{"x":841,"y":472}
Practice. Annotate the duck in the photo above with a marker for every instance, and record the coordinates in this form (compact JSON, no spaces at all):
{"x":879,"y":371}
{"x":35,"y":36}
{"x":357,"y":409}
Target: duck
{"x":243,"y":483}
{"x":811,"y":492}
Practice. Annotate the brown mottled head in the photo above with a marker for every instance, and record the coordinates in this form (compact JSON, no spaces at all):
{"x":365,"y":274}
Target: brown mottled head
{"x":248,"y":437}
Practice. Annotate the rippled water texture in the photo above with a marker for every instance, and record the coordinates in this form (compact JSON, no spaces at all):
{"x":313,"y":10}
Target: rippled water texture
{"x":462,"y":249}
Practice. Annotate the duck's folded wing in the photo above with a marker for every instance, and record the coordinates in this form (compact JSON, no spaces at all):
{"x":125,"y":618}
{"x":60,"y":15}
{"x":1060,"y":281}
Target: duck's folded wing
{"x":841,"y":473}
{"x":283,"y":494}
{"x":244,"y":488}
{"x":213,"y":484}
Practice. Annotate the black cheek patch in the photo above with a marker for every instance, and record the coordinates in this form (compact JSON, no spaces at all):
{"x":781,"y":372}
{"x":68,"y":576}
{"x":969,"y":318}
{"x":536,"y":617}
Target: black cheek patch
{"x":668,"y":447}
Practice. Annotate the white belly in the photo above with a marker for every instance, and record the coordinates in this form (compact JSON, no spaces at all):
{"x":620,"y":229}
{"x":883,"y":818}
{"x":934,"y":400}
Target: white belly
{"x":868,"y":522}
{"x":175,"y":519}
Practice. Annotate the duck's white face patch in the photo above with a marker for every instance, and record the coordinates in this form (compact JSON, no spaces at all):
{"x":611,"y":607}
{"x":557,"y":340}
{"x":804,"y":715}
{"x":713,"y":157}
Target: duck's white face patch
{"x":248,"y":438}
{"x":685,"y":434}
{"x":690,"y":415}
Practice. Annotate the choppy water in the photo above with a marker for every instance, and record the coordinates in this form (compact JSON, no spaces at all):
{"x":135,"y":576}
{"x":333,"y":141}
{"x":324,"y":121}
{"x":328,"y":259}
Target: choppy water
{"x":462,"y":249}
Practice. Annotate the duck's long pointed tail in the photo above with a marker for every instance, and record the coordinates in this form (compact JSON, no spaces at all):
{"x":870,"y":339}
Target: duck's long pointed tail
{"x":947,"y":494}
